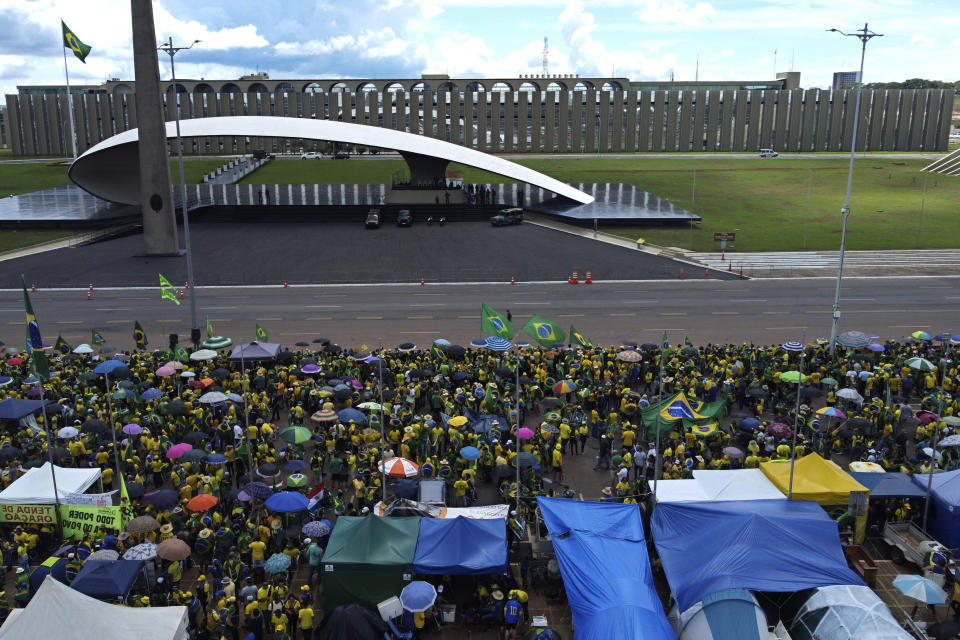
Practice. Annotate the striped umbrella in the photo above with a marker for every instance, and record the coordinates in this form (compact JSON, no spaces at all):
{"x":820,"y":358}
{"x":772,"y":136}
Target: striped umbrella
{"x":920,"y":588}
{"x":831,"y":411}
{"x":565,"y":386}
{"x":296,"y":435}
{"x":496,"y":343}
{"x":853,"y":339}
{"x":920,"y":364}
{"x":793,"y":345}
{"x":324,"y":415}
{"x":399,"y":468}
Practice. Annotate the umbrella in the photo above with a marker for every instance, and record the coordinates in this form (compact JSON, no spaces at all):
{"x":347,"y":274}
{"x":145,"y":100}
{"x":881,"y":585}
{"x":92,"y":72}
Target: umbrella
{"x":162,"y":499}
{"x":950,"y":441}
{"x":5,"y":380}
{"x":750,"y":424}
{"x":143,"y":551}
{"x":457,"y":421}
{"x":59,"y":453}
{"x":733,"y":452}
{"x":296,"y":465}
{"x":310,"y":369}
{"x":194,"y":437}
{"x":151,"y":394}
{"x":810,"y":392}
{"x":143,"y":524}
{"x":629,"y":356}
{"x":202,"y":502}
{"x":215,"y":458}
{"x":332,"y":348}
{"x":399,"y":468}
{"x":132,"y":429}
{"x":793,"y":345}
{"x":406,"y":347}
{"x":418,"y":596}
{"x":930,"y":453}
{"x":859,"y":423}
{"x":324,"y":415}
{"x":346,"y":415}
{"x":277,"y":563}
{"x":792,"y":377}
{"x":860,"y":466}
{"x":173,"y":549}
{"x":370,"y":406}
{"x":268,"y":470}
{"x":549,"y":428}
{"x":194,"y":455}
{"x":830,"y":382}
{"x":565,"y":386}
{"x":407,"y":489}
{"x":9,"y":453}
{"x":287,"y":502}
{"x":104,"y":554}
{"x":83,"y":348}
{"x":68,"y":432}
{"x":873,"y":346}
{"x":526,"y":459}
{"x":953,"y":421}
{"x":832,"y":412}
{"x":920,"y":588}
{"x":503,"y":471}
{"x":920,"y":364}
{"x":178,"y":450}
{"x":258,"y":490}
{"x":853,"y":339}
{"x":203,"y":354}
{"x":525,"y":433}
{"x":470,"y":453}
{"x":780,"y":430}
{"x":165,"y":370}
{"x":921,"y":335}
{"x":317,"y":528}
{"x":850,"y":394}
{"x":496,"y":343}
{"x":213,"y":397}
{"x":232,"y":397}
{"x":296,"y":435}
{"x":296,"y":480}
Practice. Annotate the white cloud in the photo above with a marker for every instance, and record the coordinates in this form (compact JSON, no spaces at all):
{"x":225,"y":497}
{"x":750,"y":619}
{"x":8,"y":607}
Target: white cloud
{"x":186,"y":31}
{"x":922,"y":40}
{"x":430,"y":10}
{"x":674,"y":12}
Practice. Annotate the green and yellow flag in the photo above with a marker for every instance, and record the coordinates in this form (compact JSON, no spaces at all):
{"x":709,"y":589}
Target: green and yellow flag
{"x":209,"y":328}
{"x":72,"y":42}
{"x":578,"y":339}
{"x":261,"y":334}
{"x":167,"y":290}
{"x":34,"y":343}
{"x":181,"y":354}
{"x":543,"y":331}
{"x":139,"y":335}
{"x":495,"y":322}
{"x":96,"y":338}
{"x":62,"y":345}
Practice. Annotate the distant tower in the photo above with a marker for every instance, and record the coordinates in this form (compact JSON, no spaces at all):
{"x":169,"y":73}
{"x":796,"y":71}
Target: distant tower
{"x":546,"y":65}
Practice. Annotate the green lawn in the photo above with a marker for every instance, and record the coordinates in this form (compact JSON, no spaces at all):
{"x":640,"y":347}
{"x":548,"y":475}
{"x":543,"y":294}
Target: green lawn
{"x":353,"y":171}
{"x":17,"y":178}
{"x":13,"y":239}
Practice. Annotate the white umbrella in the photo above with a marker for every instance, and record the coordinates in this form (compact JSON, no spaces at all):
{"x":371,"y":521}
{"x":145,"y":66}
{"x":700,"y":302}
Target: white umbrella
{"x":850,"y":394}
{"x":213,"y":397}
{"x":104,"y":554}
{"x":143,"y":551}
{"x":83,"y":348}
{"x":930,"y":453}
{"x":203,"y":354}
{"x":950,"y":441}
{"x":920,"y":364}
{"x":953,"y":421}
{"x":187,"y":374}
{"x":68,"y":432}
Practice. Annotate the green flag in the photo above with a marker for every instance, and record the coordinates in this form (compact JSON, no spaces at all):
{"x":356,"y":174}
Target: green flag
{"x":139,"y":335}
{"x":262,"y":334}
{"x":181,"y":354}
{"x":577,"y":338}
{"x":495,"y":322}
{"x":34,"y":343}
{"x":686,"y":341}
{"x":665,"y":341}
{"x":72,"y":42}
{"x":96,"y":338}
{"x":543,"y":331}
{"x":62,"y":345}
{"x":167,"y":290}
{"x":209,"y":328}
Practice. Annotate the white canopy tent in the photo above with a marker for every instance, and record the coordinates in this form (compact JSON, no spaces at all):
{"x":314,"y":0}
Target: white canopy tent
{"x":712,"y":485}
{"x":36,"y":485}
{"x":57,"y":611}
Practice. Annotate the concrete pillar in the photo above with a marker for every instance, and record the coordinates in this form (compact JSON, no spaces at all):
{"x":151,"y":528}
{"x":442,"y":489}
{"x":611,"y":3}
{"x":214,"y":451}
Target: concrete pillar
{"x":616,"y":134}
{"x":727,"y":110}
{"x":13,"y":125}
{"x":933,"y":111}
{"x":630,"y":141}
{"x":159,"y":223}
{"x":816,"y":120}
{"x":563,"y":128}
{"x":686,"y":112}
{"x":550,"y":121}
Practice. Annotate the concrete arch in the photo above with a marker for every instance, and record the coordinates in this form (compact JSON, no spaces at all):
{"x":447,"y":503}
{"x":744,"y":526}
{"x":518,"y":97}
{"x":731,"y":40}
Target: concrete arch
{"x":476,"y":86}
{"x":339,"y":87}
{"x":312,"y":87}
{"x":528,"y":87}
{"x":366,"y":87}
{"x":448,"y":86}
{"x":556,"y":85}
{"x":110,"y":169}
{"x":180,"y":88}
{"x":203,"y":87}
{"x":583,"y":85}
{"x":123,"y":89}
{"x":230,"y":87}
{"x":501,"y":87}
{"x":611,"y":85}
{"x":420,"y":86}
{"x":284,"y":87}
{"x":258,"y":87}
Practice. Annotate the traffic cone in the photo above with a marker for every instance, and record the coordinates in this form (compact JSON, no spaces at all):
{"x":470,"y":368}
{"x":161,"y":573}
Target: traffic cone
{"x":589,"y":279}
{"x":181,"y":294}
{"x":422,"y":283}
{"x":512,"y":281}
{"x":33,"y":288}
{"x":723,"y":256}
{"x":741,"y":271}
{"x":90,"y":294}
{"x":284,"y":284}
{"x":681,"y":273}
{"x":91,"y":287}
{"x":729,"y":266}
{"x":706,"y":274}
{"x":186,"y":285}
{"x":574,"y":279}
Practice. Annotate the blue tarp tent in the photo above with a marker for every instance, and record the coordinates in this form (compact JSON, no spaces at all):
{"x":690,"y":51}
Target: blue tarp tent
{"x":16,"y":408}
{"x":461,"y":546}
{"x":761,"y":545}
{"x":945,"y":491}
{"x":107,"y":578}
{"x":889,"y":485}
{"x":603,"y":558}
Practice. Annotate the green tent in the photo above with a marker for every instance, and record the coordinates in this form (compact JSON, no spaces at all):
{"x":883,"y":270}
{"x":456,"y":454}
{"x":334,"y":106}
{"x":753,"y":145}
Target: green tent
{"x":679,"y":408}
{"x":368,"y":559}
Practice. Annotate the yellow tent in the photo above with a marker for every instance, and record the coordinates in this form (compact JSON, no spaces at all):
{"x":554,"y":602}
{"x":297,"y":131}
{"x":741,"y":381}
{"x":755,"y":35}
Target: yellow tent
{"x":814,"y":480}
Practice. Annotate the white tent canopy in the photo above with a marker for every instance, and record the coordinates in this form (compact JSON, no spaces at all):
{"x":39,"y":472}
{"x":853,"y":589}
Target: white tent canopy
{"x":36,"y":485}
{"x":711,"y":485}
{"x":57,"y":611}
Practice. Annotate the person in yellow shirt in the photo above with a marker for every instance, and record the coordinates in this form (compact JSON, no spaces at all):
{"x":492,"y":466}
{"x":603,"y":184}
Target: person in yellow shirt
{"x":557,"y":461}
{"x":305,"y":615}
{"x":461,"y":486}
{"x":258,"y":550}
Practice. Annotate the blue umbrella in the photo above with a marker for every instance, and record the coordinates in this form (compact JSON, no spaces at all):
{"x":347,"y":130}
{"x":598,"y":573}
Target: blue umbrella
{"x":479,"y":343}
{"x":162,"y":499}
{"x":277,"y":563}
{"x":442,"y":342}
{"x":920,"y":588}
{"x":107,"y":366}
{"x":470,"y":453}
{"x":258,"y":490}
{"x":287,"y":502}
{"x":296,"y":465}
{"x":460,"y":375}
{"x":151,"y":394}
{"x":496,"y":343}
{"x":346,"y":415}
{"x":418,"y":596}
{"x":750,"y":424}
{"x":215,"y":458}
{"x":316,"y":529}
{"x":407,"y":489}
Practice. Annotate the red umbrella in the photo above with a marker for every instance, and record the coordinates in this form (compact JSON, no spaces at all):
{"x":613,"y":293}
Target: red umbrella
{"x":926,"y":417}
{"x":399,"y":467}
{"x":202,"y":502}
{"x":15,"y":361}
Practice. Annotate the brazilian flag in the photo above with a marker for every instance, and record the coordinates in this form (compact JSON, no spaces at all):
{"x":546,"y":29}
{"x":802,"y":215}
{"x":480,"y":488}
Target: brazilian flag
{"x":261,"y":334}
{"x":209,"y":328}
{"x":181,"y":354}
{"x":577,"y":338}
{"x":543,"y":331}
{"x":72,"y":42}
{"x":96,"y":338}
{"x":62,"y":345}
{"x":494,"y":322}
{"x":34,"y":343}
{"x":139,"y":335}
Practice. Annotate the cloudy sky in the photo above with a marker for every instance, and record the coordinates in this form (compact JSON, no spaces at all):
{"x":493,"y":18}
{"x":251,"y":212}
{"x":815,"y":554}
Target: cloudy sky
{"x":639,"y":39}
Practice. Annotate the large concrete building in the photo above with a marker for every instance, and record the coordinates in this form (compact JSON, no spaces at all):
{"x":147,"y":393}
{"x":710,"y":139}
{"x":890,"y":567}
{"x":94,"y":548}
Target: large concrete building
{"x":528,"y":114}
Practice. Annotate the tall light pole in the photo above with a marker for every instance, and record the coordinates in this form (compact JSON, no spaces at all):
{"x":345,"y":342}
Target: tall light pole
{"x":171,"y":51}
{"x":864,"y":35}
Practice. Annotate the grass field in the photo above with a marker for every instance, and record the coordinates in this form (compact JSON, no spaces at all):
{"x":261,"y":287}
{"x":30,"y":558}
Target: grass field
{"x":772,"y":205}
{"x":16,"y":239}
{"x":17,"y":178}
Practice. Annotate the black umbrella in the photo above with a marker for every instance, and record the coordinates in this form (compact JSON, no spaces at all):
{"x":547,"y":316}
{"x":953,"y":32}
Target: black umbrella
{"x":268,"y":469}
{"x":628,"y":344}
{"x":94,"y":426}
{"x":342,"y":394}
{"x":221,"y":373}
{"x":649,"y":346}
{"x":163,"y":499}
{"x":332,"y":348}
{"x":455,"y":351}
{"x":406,"y":489}
{"x":351,"y":622}
{"x":755,"y":392}
{"x":858,"y":423}
{"x":526,"y":380}
{"x":177,"y":408}
{"x":285,"y":356}
{"x":504,"y":471}
{"x":418,"y":374}
{"x":551,"y":403}
{"x":944,"y":630}
{"x":9,"y":453}
{"x":120,"y":373}
{"x":194,"y":437}
{"x":810,"y":392}
{"x":302,"y":344}
{"x":88,"y":376}
{"x":406,"y":346}
{"x":503,"y":372}
{"x":321,"y":341}
{"x":135,"y":490}
{"x":59,"y":453}
{"x":292,"y":531}
{"x":334,"y":382}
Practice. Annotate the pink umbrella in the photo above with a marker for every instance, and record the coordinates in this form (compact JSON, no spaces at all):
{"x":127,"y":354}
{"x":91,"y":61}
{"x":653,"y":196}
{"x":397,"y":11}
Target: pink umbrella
{"x":165,"y":371}
{"x":780,"y":430}
{"x":132,"y":429}
{"x":176,"y":365}
{"x":525,"y":433}
{"x":178,"y":450}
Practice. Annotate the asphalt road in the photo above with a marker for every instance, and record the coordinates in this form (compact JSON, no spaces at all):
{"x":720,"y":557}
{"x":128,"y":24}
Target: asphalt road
{"x":764,"y":311}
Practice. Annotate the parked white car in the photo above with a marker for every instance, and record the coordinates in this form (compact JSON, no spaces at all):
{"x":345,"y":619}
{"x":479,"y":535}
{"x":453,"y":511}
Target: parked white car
{"x":311,"y":155}
{"x":768,"y":153}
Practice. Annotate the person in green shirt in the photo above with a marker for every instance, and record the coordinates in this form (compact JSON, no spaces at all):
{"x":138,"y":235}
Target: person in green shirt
{"x":336,"y":470}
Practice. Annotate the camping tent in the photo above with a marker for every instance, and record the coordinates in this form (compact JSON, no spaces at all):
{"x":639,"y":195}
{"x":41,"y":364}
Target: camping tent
{"x":709,"y":546}
{"x":368,"y":559}
{"x":36,"y":485}
{"x":16,"y":408}
{"x":814,"y":479}
{"x":710,"y":485}
{"x":889,"y":485}
{"x":461,"y":546}
{"x":945,"y":491}
{"x":608,"y":599}
{"x":57,"y":611}
{"x":730,"y":613}
{"x":254,"y":352}
{"x":107,"y":578}
{"x":841,"y":612}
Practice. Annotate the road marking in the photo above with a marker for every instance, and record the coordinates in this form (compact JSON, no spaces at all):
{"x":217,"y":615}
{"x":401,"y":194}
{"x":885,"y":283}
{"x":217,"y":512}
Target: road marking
{"x":783,"y":328}
{"x":673,"y":313}
{"x":429,"y":294}
{"x":369,"y":317}
{"x":533,"y":304}
{"x":419,"y":317}
{"x":126,"y":309}
{"x":268,"y":319}
{"x":749,"y":300}
{"x":724,"y":313}
{"x":775,"y":313}
{"x":11,"y":310}
{"x":220,"y":319}
{"x":281,"y":333}
{"x":322,"y":318}
{"x":949,"y":297}
{"x":232,"y":297}
{"x":908,"y":326}
{"x":138,"y":298}
{"x":858,"y":299}
{"x":667,"y":329}
{"x":635,"y":302}
{"x":331,"y":295}
{"x":118,"y":321}
{"x":570,"y":315}
{"x":322,"y":306}
{"x":17,"y":322}
{"x":630,"y":291}
{"x":847,"y":311}
{"x":69,"y":321}
{"x":469,"y":317}
{"x":620,"y":315}
{"x":428,"y":304}
{"x":416,"y":332}
{"x":217,"y":308}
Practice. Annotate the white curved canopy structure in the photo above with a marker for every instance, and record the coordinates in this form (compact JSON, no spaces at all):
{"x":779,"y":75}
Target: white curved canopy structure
{"x":110,"y":169}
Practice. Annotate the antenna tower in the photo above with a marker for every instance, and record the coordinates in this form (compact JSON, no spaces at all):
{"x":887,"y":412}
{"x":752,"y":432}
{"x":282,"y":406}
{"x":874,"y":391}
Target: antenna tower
{"x":546,"y":65}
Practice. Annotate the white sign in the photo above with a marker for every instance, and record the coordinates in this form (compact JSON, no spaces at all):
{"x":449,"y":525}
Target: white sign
{"x":89,"y":499}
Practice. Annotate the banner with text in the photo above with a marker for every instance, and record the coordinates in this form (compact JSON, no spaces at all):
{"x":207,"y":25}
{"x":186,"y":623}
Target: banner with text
{"x":28,"y":513}
{"x":78,"y":520}
{"x":90,"y":499}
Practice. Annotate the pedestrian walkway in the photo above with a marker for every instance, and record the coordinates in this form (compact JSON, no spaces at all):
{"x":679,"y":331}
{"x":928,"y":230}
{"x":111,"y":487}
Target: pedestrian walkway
{"x":786,"y":264}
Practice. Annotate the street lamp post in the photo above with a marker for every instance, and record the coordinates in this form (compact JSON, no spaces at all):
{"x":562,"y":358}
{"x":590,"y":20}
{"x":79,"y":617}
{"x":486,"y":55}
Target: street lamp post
{"x":171,"y":51}
{"x":864,"y":35}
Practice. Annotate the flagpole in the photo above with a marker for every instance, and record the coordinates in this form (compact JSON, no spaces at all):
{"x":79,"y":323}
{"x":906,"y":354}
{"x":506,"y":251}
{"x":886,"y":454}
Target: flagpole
{"x":113,"y":427}
{"x":66,"y":72}
{"x":383,"y":442}
{"x":656,"y":459}
{"x":796,"y":416}
{"x":53,"y":468}
{"x":517,"y":434}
